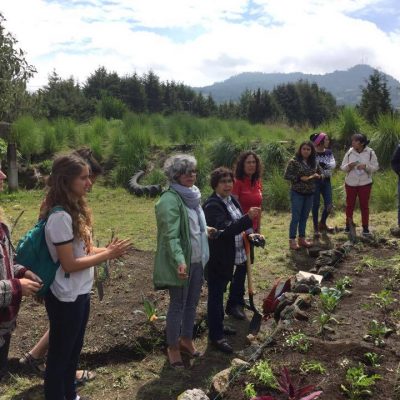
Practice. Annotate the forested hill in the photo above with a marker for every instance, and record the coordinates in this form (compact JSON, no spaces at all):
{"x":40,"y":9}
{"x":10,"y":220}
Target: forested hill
{"x":344,"y":85}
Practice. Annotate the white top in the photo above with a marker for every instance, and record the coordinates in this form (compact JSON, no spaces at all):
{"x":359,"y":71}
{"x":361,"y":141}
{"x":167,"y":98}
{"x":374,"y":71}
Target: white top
{"x":67,"y":286}
{"x":195,"y":235}
{"x":360,"y":177}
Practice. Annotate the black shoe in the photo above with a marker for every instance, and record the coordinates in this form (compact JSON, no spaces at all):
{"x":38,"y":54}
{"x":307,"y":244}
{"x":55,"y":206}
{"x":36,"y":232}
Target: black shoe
{"x":229,"y":331}
{"x":223,"y":346}
{"x":236,"y":312}
{"x":347,"y":229}
{"x":365,"y":231}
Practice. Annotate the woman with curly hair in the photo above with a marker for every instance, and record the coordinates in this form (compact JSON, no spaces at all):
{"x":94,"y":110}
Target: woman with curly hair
{"x":69,"y":240}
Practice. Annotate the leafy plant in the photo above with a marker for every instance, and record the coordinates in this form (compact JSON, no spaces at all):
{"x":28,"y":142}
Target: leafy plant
{"x":263,"y":372}
{"x":372,"y":359}
{"x":359,"y":384}
{"x":383,"y":299}
{"x":312,"y":366}
{"x":287,"y":386}
{"x":329,"y":302}
{"x":298,"y":341}
{"x":343,"y":284}
{"x":150,"y":310}
{"x":323,"y":320}
{"x":377,"y":332}
{"x":249,"y":391}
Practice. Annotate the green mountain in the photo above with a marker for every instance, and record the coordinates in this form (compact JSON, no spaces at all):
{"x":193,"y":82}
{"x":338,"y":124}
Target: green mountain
{"x":344,"y":85}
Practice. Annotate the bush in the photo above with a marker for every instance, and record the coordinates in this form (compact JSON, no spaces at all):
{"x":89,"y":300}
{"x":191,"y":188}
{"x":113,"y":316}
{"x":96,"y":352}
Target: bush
{"x":66,"y":132}
{"x":384,"y":192}
{"x":274,"y":156}
{"x":386,"y":138}
{"x":27,"y":136}
{"x":277,"y":192}
{"x":110,"y":107}
{"x":224,"y":152}
{"x":348,"y":123}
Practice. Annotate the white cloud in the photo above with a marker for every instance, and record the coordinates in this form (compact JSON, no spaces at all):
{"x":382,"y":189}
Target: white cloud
{"x":199,"y":42}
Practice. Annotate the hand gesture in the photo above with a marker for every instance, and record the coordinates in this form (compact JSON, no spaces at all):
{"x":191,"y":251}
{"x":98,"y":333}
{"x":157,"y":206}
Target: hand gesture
{"x":362,"y":166}
{"x":211,"y":232}
{"x":182,"y":274}
{"x":29,"y":287}
{"x":352,"y":164}
{"x":254,"y":212}
{"x":32,"y":276}
{"x":118,"y":248}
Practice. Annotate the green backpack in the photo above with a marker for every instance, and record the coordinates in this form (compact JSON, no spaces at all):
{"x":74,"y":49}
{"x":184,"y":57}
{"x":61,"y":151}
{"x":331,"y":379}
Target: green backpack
{"x":32,"y":252}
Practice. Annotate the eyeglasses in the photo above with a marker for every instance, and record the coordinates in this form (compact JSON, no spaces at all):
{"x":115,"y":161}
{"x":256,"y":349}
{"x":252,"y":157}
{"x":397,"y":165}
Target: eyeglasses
{"x":225,"y":181}
{"x":191,"y":172}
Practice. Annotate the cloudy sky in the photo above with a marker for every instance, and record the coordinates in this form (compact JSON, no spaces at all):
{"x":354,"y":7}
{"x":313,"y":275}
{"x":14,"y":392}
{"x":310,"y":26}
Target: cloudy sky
{"x":199,"y":42}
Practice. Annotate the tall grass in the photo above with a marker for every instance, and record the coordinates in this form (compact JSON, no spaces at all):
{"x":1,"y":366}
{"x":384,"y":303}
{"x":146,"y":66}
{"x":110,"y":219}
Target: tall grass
{"x":386,"y":138}
{"x":28,"y":137}
{"x":276,"y":190}
{"x":348,"y":123}
{"x":274,"y":156}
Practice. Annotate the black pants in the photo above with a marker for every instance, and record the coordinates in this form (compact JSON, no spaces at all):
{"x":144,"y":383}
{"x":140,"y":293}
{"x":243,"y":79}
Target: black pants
{"x":237,"y":289}
{"x":215,"y":306}
{"x":4,"y":355}
{"x":67,"y":329}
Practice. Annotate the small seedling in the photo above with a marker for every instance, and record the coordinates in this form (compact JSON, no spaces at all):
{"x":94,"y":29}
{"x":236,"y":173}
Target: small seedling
{"x":323,"y":320}
{"x":359,"y":384}
{"x":329,"y":299}
{"x":377,"y":332}
{"x":150,"y":310}
{"x":312,"y":366}
{"x":383,"y":299}
{"x":249,"y":391}
{"x":263,"y":372}
{"x":372,"y":359}
{"x":298,"y":341}
{"x":343,"y":285}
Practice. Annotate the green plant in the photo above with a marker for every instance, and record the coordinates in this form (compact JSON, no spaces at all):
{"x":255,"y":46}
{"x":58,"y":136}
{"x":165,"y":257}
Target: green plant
{"x":329,"y":300}
{"x":249,"y":391}
{"x":359,"y":384}
{"x":372,"y":359}
{"x":383,"y":299}
{"x":263,"y":372}
{"x":298,"y":341}
{"x":343,"y":284}
{"x":312,"y":366}
{"x":277,"y":191}
{"x":323,"y":320}
{"x":150,"y":310}
{"x":377,"y":331}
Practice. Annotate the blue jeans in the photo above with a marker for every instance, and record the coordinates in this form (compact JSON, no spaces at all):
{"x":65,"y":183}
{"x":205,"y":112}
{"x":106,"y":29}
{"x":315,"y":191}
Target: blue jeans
{"x":301,"y":207}
{"x":215,"y":306}
{"x":182,"y":306}
{"x":324,"y":188}
{"x":67,"y":329}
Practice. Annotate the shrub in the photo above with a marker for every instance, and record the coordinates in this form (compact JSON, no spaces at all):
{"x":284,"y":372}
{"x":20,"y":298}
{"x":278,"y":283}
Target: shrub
{"x":27,"y":136}
{"x":110,"y":107}
{"x":224,"y":152}
{"x":385,"y":139}
{"x":274,"y":156}
{"x":66,"y":132}
{"x":277,"y":192}
{"x":348,"y":123}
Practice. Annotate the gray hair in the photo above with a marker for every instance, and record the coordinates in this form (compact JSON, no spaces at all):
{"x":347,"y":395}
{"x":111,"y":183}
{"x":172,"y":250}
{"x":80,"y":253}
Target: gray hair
{"x":178,"y":165}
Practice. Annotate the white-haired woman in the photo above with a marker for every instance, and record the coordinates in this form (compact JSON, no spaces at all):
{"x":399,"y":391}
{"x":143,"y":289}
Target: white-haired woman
{"x":182,"y":252}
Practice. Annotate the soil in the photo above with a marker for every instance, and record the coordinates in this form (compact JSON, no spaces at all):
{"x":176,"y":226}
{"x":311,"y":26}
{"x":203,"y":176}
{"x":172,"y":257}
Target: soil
{"x":119,"y":337}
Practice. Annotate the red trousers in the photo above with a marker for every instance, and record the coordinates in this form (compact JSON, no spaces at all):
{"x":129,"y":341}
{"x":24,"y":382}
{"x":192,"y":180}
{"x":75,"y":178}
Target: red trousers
{"x":363,"y":193}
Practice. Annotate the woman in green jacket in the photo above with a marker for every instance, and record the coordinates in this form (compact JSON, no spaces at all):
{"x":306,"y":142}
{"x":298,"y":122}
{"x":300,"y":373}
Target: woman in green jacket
{"x":182,"y":252}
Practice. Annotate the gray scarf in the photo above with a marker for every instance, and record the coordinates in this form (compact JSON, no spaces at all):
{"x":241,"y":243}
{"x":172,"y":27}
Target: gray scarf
{"x":191,"y":197}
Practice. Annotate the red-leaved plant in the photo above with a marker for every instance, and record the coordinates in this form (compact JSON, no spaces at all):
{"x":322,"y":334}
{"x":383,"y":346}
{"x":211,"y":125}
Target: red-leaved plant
{"x":285,"y":385}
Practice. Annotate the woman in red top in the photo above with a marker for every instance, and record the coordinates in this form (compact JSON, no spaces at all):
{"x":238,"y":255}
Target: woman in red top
{"x":247,"y":190}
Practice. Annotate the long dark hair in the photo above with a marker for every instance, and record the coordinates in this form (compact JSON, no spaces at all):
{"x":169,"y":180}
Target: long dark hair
{"x":64,"y":170}
{"x":311,"y":161}
{"x":360,"y":137}
{"x":239,"y":166}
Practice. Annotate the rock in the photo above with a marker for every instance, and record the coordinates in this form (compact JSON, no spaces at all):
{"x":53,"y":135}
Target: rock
{"x":327,"y":271}
{"x":299,"y":315}
{"x":193,"y":394}
{"x":238,"y":363}
{"x":220,"y":381}
{"x":303,"y":301}
{"x":300,"y":288}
